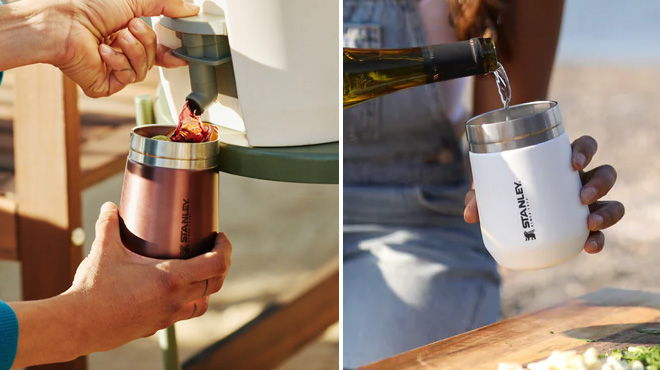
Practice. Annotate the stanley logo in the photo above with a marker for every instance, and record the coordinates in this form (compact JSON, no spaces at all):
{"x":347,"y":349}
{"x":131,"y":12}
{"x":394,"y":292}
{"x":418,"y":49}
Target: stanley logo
{"x":184,"y":249}
{"x":525,"y":213}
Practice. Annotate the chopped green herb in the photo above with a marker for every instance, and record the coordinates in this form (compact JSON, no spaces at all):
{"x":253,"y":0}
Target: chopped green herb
{"x":649,"y":356}
{"x":585,"y":340}
{"x":636,"y":357}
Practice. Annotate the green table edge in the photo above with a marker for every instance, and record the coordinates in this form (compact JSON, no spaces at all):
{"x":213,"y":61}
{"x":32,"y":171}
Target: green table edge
{"x":311,"y":164}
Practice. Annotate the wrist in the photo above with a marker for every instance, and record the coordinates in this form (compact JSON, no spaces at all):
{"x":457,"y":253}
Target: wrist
{"x":33,"y":32}
{"x":77,"y":323}
{"x":50,"y":330}
{"x":51,"y":23}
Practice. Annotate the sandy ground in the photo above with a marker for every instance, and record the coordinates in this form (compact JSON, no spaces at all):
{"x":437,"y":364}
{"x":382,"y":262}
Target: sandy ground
{"x":620,"y":108}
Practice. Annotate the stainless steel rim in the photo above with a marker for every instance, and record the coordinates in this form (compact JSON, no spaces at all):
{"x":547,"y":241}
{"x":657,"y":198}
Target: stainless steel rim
{"x":158,"y":153}
{"x":529,"y":124}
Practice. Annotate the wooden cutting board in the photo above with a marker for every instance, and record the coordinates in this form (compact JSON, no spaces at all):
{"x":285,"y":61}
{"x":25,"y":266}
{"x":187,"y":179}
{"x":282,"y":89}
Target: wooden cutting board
{"x":610,"y":318}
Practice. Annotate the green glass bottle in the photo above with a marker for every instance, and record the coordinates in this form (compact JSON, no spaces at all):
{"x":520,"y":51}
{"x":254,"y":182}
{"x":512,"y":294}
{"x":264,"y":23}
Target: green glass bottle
{"x":370,"y":73}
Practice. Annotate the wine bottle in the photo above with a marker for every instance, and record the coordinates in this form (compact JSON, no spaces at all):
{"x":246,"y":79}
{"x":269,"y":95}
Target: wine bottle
{"x":370,"y":73}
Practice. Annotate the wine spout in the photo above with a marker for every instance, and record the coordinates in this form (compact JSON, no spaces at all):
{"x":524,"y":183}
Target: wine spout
{"x":206,"y":48}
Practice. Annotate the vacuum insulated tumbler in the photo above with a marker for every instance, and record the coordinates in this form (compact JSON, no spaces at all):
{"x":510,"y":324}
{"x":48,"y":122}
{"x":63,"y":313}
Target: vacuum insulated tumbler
{"x":528,"y":193}
{"x":169,"y":199}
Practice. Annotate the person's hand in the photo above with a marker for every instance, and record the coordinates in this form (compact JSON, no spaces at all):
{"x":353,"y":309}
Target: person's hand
{"x":116,"y":296}
{"x":596,"y":184}
{"x":128,"y":296}
{"x":106,"y":46}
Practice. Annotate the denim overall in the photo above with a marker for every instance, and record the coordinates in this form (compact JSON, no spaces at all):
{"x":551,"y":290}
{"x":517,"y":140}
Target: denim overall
{"x":414,"y":271}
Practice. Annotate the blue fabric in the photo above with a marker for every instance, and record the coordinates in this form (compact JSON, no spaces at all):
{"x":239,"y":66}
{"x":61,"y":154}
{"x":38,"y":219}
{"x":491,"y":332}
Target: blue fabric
{"x":413,"y":273}
{"x":8,"y":336}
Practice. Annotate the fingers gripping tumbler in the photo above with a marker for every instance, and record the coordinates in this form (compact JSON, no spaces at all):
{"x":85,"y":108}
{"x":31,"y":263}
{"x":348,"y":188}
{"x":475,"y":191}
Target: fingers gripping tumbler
{"x":169,"y":199}
{"x":528,"y":193}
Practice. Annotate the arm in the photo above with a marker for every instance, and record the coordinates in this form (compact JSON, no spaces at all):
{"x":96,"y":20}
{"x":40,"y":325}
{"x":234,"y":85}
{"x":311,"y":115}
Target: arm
{"x":117,"y":296}
{"x":46,"y":330}
{"x":24,"y":36}
{"x":101,"y":45}
{"x":528,"y":36}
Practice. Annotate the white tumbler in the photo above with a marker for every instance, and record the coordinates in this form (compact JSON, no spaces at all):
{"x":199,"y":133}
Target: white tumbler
{"x":528,"y":193}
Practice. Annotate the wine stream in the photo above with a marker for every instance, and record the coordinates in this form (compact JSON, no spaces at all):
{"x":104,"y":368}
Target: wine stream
{"x":503,"y":88}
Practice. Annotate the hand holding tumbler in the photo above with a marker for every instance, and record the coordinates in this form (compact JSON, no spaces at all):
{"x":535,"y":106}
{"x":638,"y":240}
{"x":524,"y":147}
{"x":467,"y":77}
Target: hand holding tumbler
{"x":528,"y":193}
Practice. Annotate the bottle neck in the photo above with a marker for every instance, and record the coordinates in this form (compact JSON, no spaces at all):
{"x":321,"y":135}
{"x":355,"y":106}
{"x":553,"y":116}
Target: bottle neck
{"x":369,"y":73}
{"x":467,"y":58}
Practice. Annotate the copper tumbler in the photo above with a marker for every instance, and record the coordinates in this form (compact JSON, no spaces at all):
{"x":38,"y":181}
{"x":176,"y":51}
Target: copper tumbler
{"x":169,"y":198}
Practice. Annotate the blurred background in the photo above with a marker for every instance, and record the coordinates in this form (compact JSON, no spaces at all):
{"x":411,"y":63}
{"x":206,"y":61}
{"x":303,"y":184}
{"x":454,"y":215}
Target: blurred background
{"x":607,"y":81}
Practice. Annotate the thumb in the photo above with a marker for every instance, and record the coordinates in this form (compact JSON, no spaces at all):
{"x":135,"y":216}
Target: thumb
{"x":108,"y":222}
{"x":170,"y":8}
{"x":471,"y":212}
